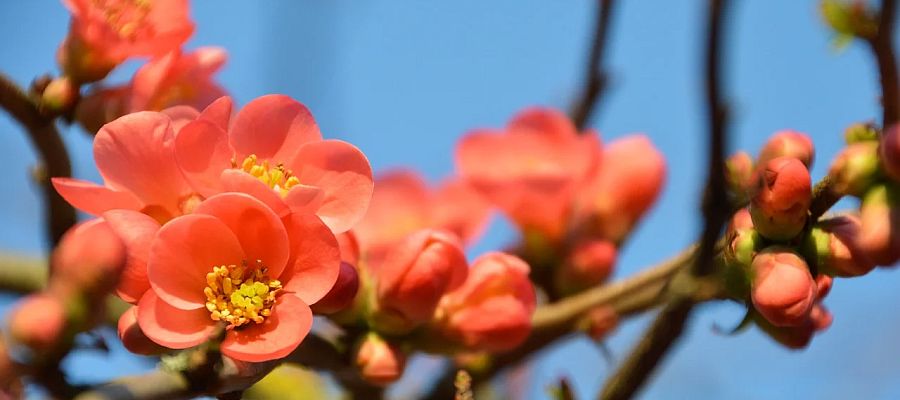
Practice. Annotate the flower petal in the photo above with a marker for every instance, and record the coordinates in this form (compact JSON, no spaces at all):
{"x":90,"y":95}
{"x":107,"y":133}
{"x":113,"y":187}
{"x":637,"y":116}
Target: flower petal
{"x":181,"y":115}
{"x":276,"y":337}
{"x":219,"y":112}
{"x":173,"y":327}
{"x":234,"y":180}
{"x":202,"y":153}
{"x":136,"y":230}
{"x":316,"y":260}
{"x":93,"y":198}
{"x":343,"y":174}
{"x":260,"y":232}
{"x":136,"y":153}
{"x":184,"y":251}
{"x":273,"y":127}
{"x":304,"y":199}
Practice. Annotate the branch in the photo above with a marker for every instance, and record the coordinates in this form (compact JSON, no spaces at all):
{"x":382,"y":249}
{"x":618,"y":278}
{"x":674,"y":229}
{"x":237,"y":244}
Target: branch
{"x":887,"y":63}
{"x":595,"y":77}
{"x":22,"y":274}
{"x":51,"y":151}
{"x":670,"y":323}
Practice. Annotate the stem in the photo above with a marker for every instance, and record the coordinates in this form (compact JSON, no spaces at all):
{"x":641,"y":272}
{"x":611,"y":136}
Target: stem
{"x":51,"y":151}
{"x":887,"y":63}
{"x":595,"y":77}
{"x":21,"y":273}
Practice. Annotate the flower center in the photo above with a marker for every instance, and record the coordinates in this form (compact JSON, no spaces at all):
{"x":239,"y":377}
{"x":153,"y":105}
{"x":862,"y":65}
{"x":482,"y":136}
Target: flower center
{"x":240,"y":295}
{"x":278,"y":178}
{"x":125,"y":16}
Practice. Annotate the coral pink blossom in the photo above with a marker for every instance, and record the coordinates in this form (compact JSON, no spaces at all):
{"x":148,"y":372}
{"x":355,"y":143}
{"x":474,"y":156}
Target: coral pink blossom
{"x":379,"y":362}
{"x":783,"y":290}
{"x":402,"y":204}
{"x":235,"y":263}
{"x":780,"y":204}
{"x":273,"y":150}
{"x":630,"y":177}
{"x":531,"y":169}
{"x":133,"y":337}
{"x":414,"y":276}
{"x":492,"y":310}
{"x":136,"y":158}
{"x":788,"y":143}
{"x":105,"y":33}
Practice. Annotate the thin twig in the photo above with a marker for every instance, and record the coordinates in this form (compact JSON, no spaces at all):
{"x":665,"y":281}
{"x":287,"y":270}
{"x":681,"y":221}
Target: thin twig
{"x":595,"y":77}
{"x":670,"y":323}
{"x":883,"y":49}
{"x":51,"y":150}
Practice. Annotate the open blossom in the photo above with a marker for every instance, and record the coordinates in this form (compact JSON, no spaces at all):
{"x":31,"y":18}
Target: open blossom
{"x":273,"y":150}
{"x":414,"y":276}
{"x":531,"y":169}
{"x":172,"y":80}
{"x":105,"y":33}
{"x":630,"y":177}
{"x":492,"y":310}
{"x":234,"y":263}
{"x":402,"y":203}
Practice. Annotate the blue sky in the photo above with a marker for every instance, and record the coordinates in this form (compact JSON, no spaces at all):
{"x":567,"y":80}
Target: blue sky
{"x":404,"y":79}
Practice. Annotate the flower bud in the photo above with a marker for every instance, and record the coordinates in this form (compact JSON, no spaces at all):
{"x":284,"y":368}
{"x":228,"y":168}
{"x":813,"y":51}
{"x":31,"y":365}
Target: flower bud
{"x":782,"y":290}
{"x":890,"y":152}
{"x":855,"y":168}
{"x":89,"y":259}
{"x":788,"y":143}
{"x":823,"y":286}
{"x":879,"y":237}
{"x":342,"y":294}
{"x":101,"y":106}
{"x":589,"y":263}
{"x":631,"y":176}
{"x":59,"y":95}
{"x":39,"y":322}
{"x":81,"y":63}
{"x":492,"y":310}
{"x":414,"y":276}
{"x":820,"y":317}
{"x":379,"y":362}
{"x":860,"y":132}
{"x":837,"y":252}
{"x":743,"y":241}
{"x":792,"y":337}
{"x":601,"y":321}
{"x":781,"y":203}
{"x":739,"y":174}
{"x":133,"y":337}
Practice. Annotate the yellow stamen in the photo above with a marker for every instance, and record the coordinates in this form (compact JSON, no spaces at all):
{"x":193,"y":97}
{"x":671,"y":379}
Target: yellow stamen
{"x":276,"y":177}
{"x":239,"y":295}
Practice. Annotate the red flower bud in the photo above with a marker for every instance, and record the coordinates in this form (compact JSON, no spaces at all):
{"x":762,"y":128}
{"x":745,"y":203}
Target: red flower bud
{"x":838,"y":253}
{"x":133,"y":337}
{"x":879,"y":237}
{"x":342,"y":294}
{"x":492,"y":310}
{"x":783,"y":290}
{"x":89,"y":259}
{"x":739,"y":174}
{"x":792,"y":337}
{"x":781,"y":203}
{"x":378,"y":361}
{"x":589,"y":263}
{"x":890,"y":152}
{"x":788,"y":143}
{"x":601,"y":322}
{"x":855,"y":168}
{"x":630,"y":178}
{"x":39,"y":322}
{"x":820,"y":318}
{"x":415,"y":275}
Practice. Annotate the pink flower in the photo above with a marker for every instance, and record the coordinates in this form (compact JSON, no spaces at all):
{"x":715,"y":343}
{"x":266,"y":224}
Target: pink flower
{"x":133,"y":337}
{"x":492,"y":310}
{"x":378,"y":361}
{"x":780,"y":204}
{"x":630,"y":177}
{"x":788,"y":143}
{"x":783,"y":290}
{"x":414,"y":276}
{"x":402,"y":204}
{"x":530,"y":170}
{"x":273,"y":150}
{"x":104,"y":33}
{"x":234,"y":263}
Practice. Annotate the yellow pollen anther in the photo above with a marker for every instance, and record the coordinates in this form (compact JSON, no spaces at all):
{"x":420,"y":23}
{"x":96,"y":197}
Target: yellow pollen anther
{"x":276,"y":177}
{"x":239,"y":295}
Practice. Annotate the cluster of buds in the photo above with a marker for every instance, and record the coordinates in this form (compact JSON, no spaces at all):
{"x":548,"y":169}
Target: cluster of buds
{"x":103,"y":35}
{"x":84,"y":269}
